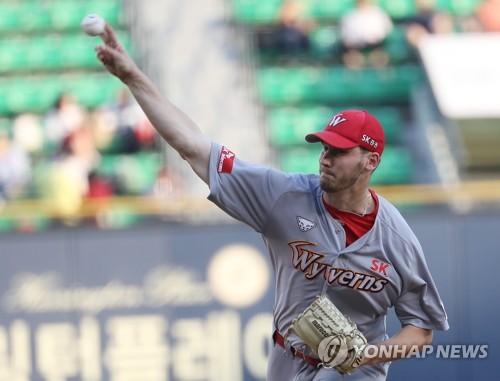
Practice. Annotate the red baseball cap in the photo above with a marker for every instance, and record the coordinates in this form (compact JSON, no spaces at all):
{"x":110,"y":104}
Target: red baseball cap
{"x":352,"y":128}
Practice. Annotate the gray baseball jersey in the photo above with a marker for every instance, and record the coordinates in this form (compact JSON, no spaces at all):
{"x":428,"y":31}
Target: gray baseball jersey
{"x":384,"y":268}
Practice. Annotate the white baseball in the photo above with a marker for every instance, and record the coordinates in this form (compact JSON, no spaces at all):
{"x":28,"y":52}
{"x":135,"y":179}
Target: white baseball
{"x":93,"y":25}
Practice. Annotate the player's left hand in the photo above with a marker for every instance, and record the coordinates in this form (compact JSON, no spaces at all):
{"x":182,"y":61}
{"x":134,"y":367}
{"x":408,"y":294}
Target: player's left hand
{"x":331,"y":335}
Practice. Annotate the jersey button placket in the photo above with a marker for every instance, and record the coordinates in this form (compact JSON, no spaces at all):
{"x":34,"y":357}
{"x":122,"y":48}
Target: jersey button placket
{"x":340,"y":238}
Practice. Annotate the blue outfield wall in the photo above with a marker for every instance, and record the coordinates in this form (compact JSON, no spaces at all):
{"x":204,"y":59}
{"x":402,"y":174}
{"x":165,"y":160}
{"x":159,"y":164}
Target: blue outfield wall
{"x":184,"y":303}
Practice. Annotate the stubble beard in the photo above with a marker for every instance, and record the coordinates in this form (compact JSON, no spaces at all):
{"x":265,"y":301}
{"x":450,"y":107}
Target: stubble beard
{"x":341,"y":183}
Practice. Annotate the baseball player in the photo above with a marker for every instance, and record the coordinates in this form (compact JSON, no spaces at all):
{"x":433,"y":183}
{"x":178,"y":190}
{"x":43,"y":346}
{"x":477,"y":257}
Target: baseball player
{"x":327,"y":233}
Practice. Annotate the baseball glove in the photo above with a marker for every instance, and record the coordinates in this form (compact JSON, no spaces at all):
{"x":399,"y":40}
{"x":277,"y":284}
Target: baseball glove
{"x":332,"y":336}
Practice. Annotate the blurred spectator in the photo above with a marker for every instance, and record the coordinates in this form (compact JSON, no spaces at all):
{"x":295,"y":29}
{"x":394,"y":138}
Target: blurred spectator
{"x":15,"y":167}
{"x":427,"y":20}
{"x":488,"y":15}
{"x":122,"y":126}
{"x":363,"y":31}
{"x":69,"y":181}
{"x":291,"y":36}
{"x":103,"y":124}
{"x":28,"y":132}
{"x":66,"y":116}
{"x":100,"y":186}
{"x":168,"y":184}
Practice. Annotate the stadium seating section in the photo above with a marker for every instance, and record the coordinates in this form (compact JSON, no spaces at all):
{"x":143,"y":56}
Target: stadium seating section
{"x":44,"y":54}
{"x":265,"y":12}
{"x":301,"y":92}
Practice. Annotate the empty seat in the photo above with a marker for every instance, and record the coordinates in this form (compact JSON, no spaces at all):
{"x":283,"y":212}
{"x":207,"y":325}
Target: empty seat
{"x":21,"y":94}
{"x":458,"y":7}
{"x":136,"y":173}
{"x":396,"y":167}
{"x":337,"y":84}
{"x":256,"y":12}
{"x":267,"y":12}
{"x":328,"y":9}
{"x":304,"y":159}
{"x":288,"y":126}
{"x":55,"y":15}
{"x":325,"y":41}
{"x":51,"y":52}
{"x":398,"y":9}
{"x":68,"y":14}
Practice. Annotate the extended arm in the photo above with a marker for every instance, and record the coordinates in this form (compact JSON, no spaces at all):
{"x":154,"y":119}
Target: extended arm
{"x":398,"y":346}
{"x":178,"y":130}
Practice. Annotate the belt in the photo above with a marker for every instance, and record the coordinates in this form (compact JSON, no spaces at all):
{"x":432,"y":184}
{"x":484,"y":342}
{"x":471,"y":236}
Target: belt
{"x":280,"y":340}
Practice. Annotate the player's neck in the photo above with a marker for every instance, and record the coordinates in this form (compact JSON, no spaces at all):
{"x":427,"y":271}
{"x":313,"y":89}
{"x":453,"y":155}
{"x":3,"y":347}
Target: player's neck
{"x":354,"y":201}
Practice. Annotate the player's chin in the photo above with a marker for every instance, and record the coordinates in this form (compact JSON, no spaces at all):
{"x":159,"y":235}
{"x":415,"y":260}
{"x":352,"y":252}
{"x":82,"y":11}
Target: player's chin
{"x":327,"y":185}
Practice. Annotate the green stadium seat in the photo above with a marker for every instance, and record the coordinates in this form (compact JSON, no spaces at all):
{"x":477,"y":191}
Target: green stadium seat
{"x":397,"y":46}
{"x":7,"y":224}
{"x":458,"y":7}
{"x":52,"y":52}
{"x":288,"y":85}
{"x":388,"y":85}
{"x":37,"y":94}
{"x":36,"y":17}
{"x":69,"y":14}
{"x":396,"y":167}
{"x":11,"y":55}
{"x":303,"y":159}
{"x":95,"y":90}
{"x":137,"y":172}
{"x":327,"y":9}
{"x":9,"y":19}
{"x":391,"y":119}
{"x":280,"y":86}
{"x":77,"y":51}
{"x":398,"y":9}
{"x":256,"y":12}
{"x":33,"y":16}
{"x":325,"y":41}
{"x":288,"y":125}
{"x":267,"y":11}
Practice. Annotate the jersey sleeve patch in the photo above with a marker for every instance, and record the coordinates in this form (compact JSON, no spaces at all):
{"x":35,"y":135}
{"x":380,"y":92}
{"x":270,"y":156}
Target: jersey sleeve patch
{"x":226,"y":161}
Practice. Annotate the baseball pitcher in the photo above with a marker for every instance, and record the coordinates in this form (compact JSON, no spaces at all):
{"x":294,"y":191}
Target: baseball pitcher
{"x":342,"y":255}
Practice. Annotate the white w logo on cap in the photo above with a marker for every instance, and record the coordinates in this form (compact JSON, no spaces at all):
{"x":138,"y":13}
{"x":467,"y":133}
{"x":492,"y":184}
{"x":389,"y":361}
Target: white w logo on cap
{"x":337,"y":119}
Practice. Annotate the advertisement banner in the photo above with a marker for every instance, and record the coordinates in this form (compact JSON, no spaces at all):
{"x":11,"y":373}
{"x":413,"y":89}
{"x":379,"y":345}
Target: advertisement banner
{"x":126,"y":306}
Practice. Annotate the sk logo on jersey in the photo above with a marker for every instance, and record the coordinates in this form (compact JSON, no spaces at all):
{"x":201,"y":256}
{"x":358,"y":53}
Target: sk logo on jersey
{"x":226,"y":161}
{"x":304,"y":224}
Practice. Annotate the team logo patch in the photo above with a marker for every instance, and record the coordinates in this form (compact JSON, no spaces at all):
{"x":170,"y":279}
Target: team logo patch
{"x":304,"y":224}
{"x":337,"y":119}
{"x":226,"y":161}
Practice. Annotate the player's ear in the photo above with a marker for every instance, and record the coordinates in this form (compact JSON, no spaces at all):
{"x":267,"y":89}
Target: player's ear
{"x":373,"y":161}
